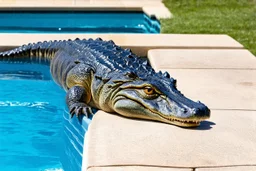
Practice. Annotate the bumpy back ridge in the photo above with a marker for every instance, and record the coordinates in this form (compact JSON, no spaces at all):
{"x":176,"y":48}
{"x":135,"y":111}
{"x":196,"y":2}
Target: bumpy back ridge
{"x":107,"y":52}
{"x":39,"y":52}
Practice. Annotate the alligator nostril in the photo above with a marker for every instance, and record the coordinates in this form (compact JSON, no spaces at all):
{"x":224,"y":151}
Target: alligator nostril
{"x":201,"y":111}
{"x":184,"y":110}
{"x":195,"y":111}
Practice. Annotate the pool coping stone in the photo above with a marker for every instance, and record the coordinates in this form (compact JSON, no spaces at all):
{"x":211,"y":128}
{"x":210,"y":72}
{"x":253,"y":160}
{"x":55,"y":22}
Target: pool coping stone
{"x":231,"y":89}
{"x":151,"y":8}
{"x":201,"y":59}
{"x":143,"y":43}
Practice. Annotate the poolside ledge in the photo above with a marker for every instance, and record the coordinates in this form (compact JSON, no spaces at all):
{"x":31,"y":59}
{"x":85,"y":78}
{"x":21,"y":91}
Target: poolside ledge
{"x":150,"y":7}
{"x":119,"y":143}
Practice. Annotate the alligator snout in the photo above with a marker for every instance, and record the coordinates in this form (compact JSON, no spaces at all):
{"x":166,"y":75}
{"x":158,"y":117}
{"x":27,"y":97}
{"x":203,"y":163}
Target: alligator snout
{"x":188,"y":109}
{"x":201,"y":112}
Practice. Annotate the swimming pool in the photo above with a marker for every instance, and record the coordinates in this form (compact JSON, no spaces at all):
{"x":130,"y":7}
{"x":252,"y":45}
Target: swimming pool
{"x":76,"y":22}
{"x":31,"y":107}
{"x":36,"y":132}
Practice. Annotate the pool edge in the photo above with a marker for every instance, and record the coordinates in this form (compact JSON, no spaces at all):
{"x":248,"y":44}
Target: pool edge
{"x":156,"y":9}
{"x":139,"y":43}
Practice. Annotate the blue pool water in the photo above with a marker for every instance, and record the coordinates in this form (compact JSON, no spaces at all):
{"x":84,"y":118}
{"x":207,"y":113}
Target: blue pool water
{"x":31,"y":124}
{"x":76,"y":22}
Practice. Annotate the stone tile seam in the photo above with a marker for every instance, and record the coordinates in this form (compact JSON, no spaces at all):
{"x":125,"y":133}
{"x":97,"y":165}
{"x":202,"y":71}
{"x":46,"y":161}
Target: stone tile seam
{"x":224,"y":166}
{"x":140,"y":165}
{"x":76,"y":8}
{"x":174,"y":167}
{"x":184,"y":47}
{"x":246,"y":110}
{"x":163,"y":68}
{"x":154,"y":47}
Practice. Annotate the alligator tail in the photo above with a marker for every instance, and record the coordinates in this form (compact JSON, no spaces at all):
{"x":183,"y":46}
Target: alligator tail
{"x":41,"y":52}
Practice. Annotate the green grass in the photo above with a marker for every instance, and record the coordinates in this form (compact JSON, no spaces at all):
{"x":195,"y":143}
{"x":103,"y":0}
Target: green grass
{"x":236,"y":18}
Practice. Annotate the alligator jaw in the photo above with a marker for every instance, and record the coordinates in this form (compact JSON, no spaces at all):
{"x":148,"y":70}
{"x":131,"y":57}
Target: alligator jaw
{"x":140,"y":111}
{"x":182,"y":122}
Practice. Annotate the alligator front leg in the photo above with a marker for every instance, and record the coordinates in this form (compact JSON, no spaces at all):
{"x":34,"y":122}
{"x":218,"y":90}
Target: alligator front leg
{"x":76,"y":102}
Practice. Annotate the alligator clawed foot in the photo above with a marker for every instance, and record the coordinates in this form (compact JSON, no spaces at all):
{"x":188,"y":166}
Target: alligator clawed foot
{"x":80,"y":108}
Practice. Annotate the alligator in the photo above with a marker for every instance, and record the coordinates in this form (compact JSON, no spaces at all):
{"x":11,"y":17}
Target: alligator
{"x":100,"y":74}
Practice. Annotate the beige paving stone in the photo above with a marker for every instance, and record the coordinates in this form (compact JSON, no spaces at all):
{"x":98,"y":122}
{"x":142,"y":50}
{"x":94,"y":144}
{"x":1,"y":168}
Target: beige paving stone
{"x":203,"y":58}
{"x":102,"y":2}
{"x":150,"y":7}
{"x":234,"y":168}
{"x":139,"y":43}
{"x":218,"y":88}
{"x":157,"y":11}
{"x":142,"y":2}
{"x":227,"y":139}
{"x":13,"y":3}
{"x":135,"y":168}
{"x":68,"y":5}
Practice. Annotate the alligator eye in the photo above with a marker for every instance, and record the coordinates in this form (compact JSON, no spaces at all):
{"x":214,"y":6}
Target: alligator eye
{"x":149,"y":90}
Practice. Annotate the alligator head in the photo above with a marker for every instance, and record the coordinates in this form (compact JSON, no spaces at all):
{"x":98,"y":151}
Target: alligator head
{"x":153,"y":97}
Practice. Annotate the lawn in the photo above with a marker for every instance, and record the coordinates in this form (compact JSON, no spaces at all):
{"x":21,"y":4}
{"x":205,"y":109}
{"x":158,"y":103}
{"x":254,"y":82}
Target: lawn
{"x":236,"y":18}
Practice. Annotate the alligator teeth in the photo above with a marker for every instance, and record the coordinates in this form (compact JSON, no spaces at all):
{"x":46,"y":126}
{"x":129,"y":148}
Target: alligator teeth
{"x":184,"y":121}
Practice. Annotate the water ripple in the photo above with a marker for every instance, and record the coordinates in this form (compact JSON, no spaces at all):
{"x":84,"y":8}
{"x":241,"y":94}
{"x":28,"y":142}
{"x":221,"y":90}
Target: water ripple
{"x":40,"y":105}
{"x":54,"y":169}
{"x":12,"y":75}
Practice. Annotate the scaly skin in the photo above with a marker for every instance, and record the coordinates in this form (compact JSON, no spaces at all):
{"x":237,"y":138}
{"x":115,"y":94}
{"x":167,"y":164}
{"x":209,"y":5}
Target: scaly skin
{"x":102,"y":75}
